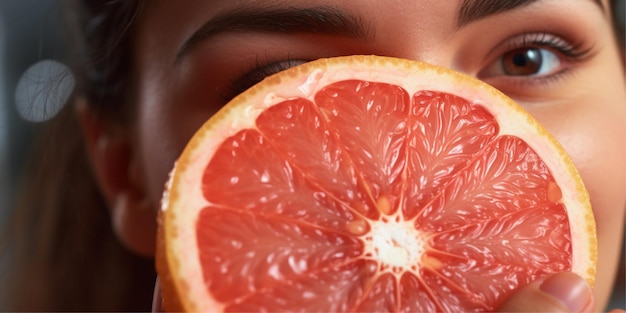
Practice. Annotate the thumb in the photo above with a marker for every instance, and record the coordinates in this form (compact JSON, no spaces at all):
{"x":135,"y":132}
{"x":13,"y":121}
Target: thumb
{"x":561,"y":292}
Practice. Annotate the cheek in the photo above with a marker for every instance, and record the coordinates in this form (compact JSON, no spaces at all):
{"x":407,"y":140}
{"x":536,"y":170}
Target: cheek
{"x":593,"y":133}
{"x":598,"y":152}
{"x":168,"y":117}
{"x":596,"y":142}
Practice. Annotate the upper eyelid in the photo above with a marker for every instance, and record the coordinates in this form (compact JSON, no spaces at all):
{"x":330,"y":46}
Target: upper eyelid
{"x":250,"y":76}
{"x":536,"y":38}
{"x":261,"y":70}
{"x":573,"y":50}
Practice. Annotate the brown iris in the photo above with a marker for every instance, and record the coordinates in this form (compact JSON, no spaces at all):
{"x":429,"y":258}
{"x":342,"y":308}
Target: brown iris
{"x":523,"y":61}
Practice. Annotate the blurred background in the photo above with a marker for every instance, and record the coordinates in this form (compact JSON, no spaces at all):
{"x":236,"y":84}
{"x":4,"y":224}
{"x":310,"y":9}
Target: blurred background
{"x":31,"y":44}
{"x":31,"y":52}
{"x":31,"y":37}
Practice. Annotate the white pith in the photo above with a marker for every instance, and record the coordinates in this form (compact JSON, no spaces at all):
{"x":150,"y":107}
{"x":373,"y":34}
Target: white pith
{"x":385,"y":241}
{"x":395,"y":244}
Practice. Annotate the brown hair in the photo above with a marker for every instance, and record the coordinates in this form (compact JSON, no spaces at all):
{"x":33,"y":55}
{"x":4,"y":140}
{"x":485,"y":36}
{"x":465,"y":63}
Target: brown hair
{"x":60,"y":243}
{"x":619,"y":25}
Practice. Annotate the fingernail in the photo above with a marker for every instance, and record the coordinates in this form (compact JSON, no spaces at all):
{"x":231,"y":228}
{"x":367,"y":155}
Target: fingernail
{"x":570,"y":289}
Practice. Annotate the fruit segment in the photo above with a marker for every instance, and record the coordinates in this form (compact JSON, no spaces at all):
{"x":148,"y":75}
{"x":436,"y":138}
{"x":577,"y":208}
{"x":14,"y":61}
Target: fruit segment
{"x":370,"y":122}
{"x":506,"y":177}
{"x":263,"y":253}
{"x":446,"y":134}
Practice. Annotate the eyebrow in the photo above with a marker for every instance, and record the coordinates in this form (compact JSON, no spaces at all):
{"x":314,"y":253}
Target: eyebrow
{"x":473,"y":10}
{"x":315,"y":20}
{"x":326,"y":20}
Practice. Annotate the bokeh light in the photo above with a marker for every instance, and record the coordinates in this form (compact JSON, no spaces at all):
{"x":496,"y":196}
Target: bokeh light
{"x":42,"y":90}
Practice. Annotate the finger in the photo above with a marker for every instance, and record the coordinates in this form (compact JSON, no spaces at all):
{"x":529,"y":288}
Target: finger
{"x":157,"y":300}
{"x":561,"y":292}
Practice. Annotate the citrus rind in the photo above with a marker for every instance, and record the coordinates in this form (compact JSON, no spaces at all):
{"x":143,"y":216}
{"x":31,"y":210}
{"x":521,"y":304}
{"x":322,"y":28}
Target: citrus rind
{"x":177,"y":262}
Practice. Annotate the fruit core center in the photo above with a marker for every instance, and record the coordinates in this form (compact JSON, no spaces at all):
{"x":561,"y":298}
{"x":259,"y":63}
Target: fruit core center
{"x":395,"y":244}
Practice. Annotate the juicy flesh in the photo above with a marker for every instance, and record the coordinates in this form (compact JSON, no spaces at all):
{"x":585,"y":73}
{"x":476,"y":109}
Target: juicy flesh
{"x":371,"y":199}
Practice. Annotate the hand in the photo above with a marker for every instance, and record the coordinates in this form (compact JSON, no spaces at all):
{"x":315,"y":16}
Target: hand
{"x":561,"y":292}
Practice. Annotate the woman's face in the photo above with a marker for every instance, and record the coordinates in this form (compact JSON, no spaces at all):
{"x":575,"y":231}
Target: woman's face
{"x":193,"y":56}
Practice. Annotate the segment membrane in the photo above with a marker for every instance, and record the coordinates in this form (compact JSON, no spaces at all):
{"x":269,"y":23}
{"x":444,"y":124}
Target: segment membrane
{"x":292,"y":201}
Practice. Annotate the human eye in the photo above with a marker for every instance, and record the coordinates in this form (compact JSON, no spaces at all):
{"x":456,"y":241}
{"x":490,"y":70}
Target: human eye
{"x":532,"y":60}
{"x":250,"y":77}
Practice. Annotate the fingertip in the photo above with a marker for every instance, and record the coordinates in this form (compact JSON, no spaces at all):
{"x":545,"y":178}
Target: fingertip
{"x":571,"y":290}
{"x":560,"y":292}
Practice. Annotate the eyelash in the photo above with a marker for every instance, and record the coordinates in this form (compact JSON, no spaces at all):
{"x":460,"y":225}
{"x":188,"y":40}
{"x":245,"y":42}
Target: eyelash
{"x":260,"y":71}
{"x":568,"y":53}
{"x":573,"y":53}
{"x":546,"y":40}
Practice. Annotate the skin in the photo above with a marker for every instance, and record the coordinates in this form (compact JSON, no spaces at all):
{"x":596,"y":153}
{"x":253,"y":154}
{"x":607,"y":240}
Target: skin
{"x":579,"y":99}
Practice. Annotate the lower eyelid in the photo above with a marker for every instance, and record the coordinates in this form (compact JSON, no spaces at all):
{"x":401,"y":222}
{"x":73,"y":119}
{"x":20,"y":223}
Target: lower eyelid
{"x":530,"y":88}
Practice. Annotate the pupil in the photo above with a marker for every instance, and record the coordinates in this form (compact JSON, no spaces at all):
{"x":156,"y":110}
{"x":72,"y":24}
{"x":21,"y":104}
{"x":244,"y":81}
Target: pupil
{"x":524,"y":61}
{"x":519,"y":59}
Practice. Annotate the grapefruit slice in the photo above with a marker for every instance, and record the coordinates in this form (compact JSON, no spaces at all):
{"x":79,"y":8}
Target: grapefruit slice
{"x":368,"y":183}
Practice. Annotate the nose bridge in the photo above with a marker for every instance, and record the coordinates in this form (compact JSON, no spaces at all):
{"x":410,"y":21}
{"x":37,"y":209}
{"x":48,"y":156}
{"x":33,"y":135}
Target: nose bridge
{"x":419,"y":32}
{"x":436,"y":53}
